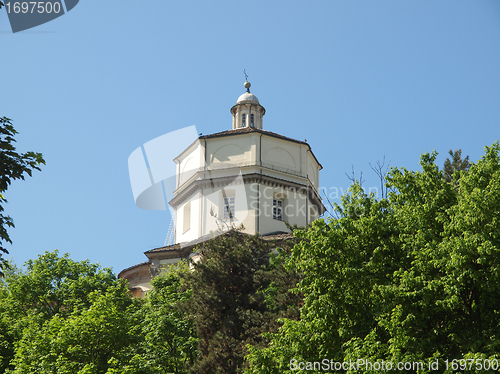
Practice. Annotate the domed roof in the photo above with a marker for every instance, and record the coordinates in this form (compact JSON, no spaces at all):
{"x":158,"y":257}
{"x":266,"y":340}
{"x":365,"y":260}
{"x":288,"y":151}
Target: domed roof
{"x":247,"y":96}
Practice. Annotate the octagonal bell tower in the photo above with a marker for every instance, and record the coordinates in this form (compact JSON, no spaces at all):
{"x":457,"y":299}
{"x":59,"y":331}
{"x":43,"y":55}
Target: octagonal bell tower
{"x":244,"y":177}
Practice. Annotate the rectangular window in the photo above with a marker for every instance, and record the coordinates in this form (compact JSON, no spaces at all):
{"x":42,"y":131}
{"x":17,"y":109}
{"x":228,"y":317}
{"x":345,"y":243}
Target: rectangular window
{"x":186,"y":217}
{"x":278,"y":209}
{"x":229,"y":207}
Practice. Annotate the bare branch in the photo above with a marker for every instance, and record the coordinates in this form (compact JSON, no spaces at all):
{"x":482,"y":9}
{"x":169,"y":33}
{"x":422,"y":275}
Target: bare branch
{"x":382,"y":174}
{"x":333,"y":208}
{"x":353,"y":179}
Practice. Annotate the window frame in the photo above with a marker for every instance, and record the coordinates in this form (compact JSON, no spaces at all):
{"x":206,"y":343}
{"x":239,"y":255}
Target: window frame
{"x":278,"y":209}
{"x":228,"y":207}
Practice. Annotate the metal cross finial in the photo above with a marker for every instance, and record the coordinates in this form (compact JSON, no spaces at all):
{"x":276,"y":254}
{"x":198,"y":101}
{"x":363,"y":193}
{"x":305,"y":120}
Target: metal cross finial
{"x":247,"y":83}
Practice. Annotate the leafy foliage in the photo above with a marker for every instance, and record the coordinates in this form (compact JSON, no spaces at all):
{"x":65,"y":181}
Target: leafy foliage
{"x":456,"y":164}
{"x":84,"y":342}
{"x":234,"y":288}
{"x":167,"y":343}
{"x":13,"y":166}
{"x":413,"y":277}
{"x":57,"y":285}
{"x":170,"y":340}
{"x":63,"y":316}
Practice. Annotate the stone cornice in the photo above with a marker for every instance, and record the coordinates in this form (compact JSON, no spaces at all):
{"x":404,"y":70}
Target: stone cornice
{"x":267,"y":180}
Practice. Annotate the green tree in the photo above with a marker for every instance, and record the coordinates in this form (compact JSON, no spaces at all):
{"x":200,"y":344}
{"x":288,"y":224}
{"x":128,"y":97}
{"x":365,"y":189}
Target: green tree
{"x":85,"y":341}
{"x":223,"y":308}
{"x":7,"y":337}
{"x":456,"y":164}
{"x":54,"y":284}
{"x":169,"y":336}
{"x":410,"y":278}
{"x":13,"y":166}
{"x":55,"y":306}
{"x":236,"y":295}
{"x":168,"y":343}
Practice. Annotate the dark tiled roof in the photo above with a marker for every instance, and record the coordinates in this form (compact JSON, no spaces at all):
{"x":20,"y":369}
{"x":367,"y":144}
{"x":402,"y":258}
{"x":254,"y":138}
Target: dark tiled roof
{"x":279,"y":235}
{"x":173,"y":247}
{"x":133,"y":267}
{"x":179,"y":246}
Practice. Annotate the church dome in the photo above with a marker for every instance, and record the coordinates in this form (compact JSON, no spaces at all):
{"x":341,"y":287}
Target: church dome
{"x":247,"y":96}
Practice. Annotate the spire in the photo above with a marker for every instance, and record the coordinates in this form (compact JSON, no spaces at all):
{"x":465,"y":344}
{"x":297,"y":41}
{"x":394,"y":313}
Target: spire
{"x":247,"y":83}
{"x":247,"y":112}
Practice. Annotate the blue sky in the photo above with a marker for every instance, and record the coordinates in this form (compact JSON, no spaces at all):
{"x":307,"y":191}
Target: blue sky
{"x":357,"y":79}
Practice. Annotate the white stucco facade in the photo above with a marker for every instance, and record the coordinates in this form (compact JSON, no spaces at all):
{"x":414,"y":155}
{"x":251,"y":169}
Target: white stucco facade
{"x":244,"y":176}
{"x":263,"y":178}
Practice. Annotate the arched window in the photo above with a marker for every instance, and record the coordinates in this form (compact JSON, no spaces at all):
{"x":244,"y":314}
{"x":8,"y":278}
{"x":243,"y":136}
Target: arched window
{"x":243,"y":120}
{"x":251,"y":120}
